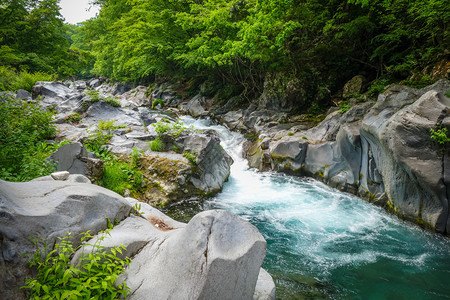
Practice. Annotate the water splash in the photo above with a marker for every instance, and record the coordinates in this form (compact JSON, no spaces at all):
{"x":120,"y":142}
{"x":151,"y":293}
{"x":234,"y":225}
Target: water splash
{"x":323,"y":244}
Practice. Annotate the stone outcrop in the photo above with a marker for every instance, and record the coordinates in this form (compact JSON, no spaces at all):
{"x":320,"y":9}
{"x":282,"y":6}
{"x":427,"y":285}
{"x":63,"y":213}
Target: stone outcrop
{"x":47,"y":209}
{"x":169,"y":176}
{"x":380,"y":151}
{"x":216,"y":255}
{"x":74,"y":159}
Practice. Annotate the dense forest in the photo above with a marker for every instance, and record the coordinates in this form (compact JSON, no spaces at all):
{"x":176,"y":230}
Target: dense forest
{"x":229,"y":46}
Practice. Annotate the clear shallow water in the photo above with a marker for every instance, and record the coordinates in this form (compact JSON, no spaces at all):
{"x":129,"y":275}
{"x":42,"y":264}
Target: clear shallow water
{"x":324,"y":244}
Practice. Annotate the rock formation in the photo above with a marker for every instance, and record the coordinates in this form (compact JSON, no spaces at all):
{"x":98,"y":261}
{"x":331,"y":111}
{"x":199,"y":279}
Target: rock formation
{"x":380,"y":151}
{"x":216,"y":255}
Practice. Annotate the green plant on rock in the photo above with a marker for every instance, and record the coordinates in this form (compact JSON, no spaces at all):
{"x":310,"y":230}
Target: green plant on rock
{"x":135,"y":158}
{"x":93,"y":95}
{"x":175,"y":148}
{"x":118,"y":176}
{"x":112,"y":101}
{"x":156,"y":102}
{"x":24,"y":129}
{"x":175,"y":128}
{"x":344,"y":107}
{"x":190,"y":157}
{"x":102,"y":135}
{"x":73,"y":118}
{"x":440,"y":134}
{"x":156,"y":145}
{"x":93,"y":278}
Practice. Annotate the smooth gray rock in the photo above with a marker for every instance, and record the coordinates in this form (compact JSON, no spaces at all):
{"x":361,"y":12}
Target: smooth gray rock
{"x":216,"y":256}
{"x":265,"y":287}
{"x":62,"y":175}
{"x":103,"y":111}
{"x":195,"y":106}
{"x":23,"y":94}
{"x":47,"y":210}
{"x":212,"y":161}
{"x":74,"y":159}
{"x":409,"y":162}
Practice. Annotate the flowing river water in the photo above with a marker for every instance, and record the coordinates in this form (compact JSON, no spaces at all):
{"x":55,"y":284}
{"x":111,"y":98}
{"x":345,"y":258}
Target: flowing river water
{"x":324,"y":244}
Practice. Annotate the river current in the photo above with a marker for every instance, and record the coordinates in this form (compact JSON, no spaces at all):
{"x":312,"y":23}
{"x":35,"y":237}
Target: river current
{"x":324,"y":244}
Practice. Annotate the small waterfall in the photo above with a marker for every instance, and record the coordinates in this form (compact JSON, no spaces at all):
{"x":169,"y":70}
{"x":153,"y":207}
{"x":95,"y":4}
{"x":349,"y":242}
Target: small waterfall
{"x":323,"y":244}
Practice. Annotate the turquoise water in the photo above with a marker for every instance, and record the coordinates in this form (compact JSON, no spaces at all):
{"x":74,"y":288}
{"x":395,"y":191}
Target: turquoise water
{"x":324,"y":244}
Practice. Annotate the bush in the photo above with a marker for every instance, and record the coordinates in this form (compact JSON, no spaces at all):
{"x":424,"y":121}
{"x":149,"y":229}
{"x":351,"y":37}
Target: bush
{"x":11,"y":80}
{"x":191,"y":157}
{"x":112,"y":101}
{"x":101,"y":136}
{"x":175,"y":128}
{"x":156,"y":145}
{"x":23,"y":129}
{"x":156,"y":102}
{"x":93,"y":278}
{"x":118,"y":177}
{"x":73,"y":118}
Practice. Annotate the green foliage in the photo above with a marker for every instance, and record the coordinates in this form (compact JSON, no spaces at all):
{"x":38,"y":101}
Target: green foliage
{"x":378,"y":86}
{"x":439,"y":135}
{"x":233,"y":45}
{"x":344,"y":107}
{"x":93,"y":95}
{"x":156,"y":102}
{"x":118,"y":176}
{"x":191,"y":157}
{"x":24,"y":127}
{"x":175,"y":129}
{"x":156,"y":145}
{"x":102,"y":135}
{"x":32,"y":38}
{"x":11,"y":80}
{"x":73,"y":118}
{"x":175,"y":148}
{"x":93,"y":278}
{"x":112,"y":101}
{"x":135,"y":158}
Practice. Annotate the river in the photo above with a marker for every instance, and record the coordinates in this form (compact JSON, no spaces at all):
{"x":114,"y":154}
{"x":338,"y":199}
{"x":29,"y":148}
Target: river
{"x":324,"y":244}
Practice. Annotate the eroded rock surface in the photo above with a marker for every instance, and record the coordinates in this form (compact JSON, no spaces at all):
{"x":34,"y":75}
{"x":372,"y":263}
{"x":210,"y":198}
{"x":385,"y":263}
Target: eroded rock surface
{"x":217,"y":255}
{"x":380,"y":151}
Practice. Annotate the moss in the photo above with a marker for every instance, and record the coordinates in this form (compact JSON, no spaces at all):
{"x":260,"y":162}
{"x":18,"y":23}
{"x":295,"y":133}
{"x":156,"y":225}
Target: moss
{"x":278,"y":158}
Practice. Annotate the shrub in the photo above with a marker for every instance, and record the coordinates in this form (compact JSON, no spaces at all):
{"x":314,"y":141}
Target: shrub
{"x":135,"y":158}
{"x":112,"y":101}
{"x":118,"y":177}
{"x":191,"y":157}
{"x":102,"y":136}
{"x":440,"y":134}
{"x":344,"y":107}
{"x":93,"y":278}
{"x":93,"y":95}
{"x":11,"y":80}
{"x":156,"y":145}
{"x":156,"y":102}
{"x":175,"y":128}
{"x":73,"y":118}
{"x":24,"y":127}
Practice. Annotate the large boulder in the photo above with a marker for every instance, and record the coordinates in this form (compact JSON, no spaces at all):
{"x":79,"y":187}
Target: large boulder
{"x":46,"y":210}
{"x":383,"y":152}
{"x":195,"y":107}
{"x":409,"y":161}
{"x":74,"y":158}
{"x":215,"y":256}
